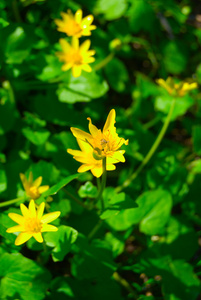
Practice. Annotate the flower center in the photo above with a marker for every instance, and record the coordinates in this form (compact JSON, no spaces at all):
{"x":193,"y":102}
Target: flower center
{"x":104,"y":143}
{"x":32,"y":225}
{"x":72,"y":28}
{"x":75,"y":57}
{"x":34,"y":193}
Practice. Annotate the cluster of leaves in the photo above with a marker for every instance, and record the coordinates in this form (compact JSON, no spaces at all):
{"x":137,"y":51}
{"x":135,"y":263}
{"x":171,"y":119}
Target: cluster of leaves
{"x":145,"y":244}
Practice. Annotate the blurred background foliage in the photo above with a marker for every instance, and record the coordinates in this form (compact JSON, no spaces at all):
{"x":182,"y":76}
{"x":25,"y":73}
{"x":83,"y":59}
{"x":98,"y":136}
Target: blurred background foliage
{"x":145,"y":245}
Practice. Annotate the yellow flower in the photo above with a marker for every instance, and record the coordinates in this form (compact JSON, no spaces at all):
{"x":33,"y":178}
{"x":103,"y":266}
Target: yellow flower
{"x":75,"y":57}
{"x":97,"y":145}
{"x":32,"y":223}
{"x":176,"y":89}
{"x":33,"y":188}
{"x":75,"y":25}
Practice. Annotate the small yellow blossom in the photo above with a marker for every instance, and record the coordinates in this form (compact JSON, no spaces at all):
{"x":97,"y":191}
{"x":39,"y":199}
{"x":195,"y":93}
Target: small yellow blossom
{"x":76,"y":57}
{"x":33,"y":188}
{"x":32,"y":223}
{"x":176,"y":89}
{"x":97,"y":145}
{"x":75,"y":25}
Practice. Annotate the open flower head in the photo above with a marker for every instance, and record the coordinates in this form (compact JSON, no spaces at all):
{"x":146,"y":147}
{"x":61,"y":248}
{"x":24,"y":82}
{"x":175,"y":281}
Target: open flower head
{"x":33,"y":188}
{"x":176,"y":89}
{"x":76,"y":57}
{"x":75,"y":25}
{"x":32,"y":223}
{"x":97,"y":145}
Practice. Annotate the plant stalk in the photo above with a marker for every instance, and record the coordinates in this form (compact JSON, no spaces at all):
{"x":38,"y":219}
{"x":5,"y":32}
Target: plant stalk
{"x":151,"y":151}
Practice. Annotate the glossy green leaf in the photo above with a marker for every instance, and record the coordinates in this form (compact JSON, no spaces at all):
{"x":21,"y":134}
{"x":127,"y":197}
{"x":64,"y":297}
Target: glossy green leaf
{"x":54,"y":189}
{"x":61,"y":241}
{"x":21,"y":278}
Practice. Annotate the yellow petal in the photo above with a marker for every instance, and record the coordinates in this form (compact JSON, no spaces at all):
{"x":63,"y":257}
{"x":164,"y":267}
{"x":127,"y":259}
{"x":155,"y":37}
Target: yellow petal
{"x":38,"y":237}
{"x":43,"y":188}
{"x":75,"y":42}
{"x":48,"y":228}
{"x":22,"y":238}
{"x":84,"y":168}
{"x":86,"y":68}
{"x":110,"y":167}
{"x":38,"y":181}
{"x":75,"y":152}
{"x":30,"y":180}
{"x":76,"y":70}
{"x":164,"y":84}
{"x":24,"y":180}
{"x":85,"y":146}
{"x":78,"y":16}
{"x":65,"y":45}
{"x":50,"y":217}
{"x":24,"y":210}
{"x":40,"y":210}
{"x":109,"y":124}
{"x":118,"y":156}
{"x":16,"y":218}
{"x":93,"y":129}
{"x":97,"y":171}
{"x":85,"y":46}
{"x":88,"y":60}
{"x":67,"y":66}
{"x":32,"y":208}
{"x":82,"y":135}
{"x":87,"y":20}
{"x":16,"y":228}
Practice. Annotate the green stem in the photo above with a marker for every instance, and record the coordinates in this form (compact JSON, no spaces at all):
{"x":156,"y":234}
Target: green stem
{"x":6,"y":84}
{"x":151,"y":151}
{"x":151,"y":123}
{"x":104,"y":62}
{"x":9,"y":202}
{"x":103,"y":184}
{"x":16,"y":11}
{"x":125,"y":284}
{"x":74,"y":198}
{"x":95,"y":229}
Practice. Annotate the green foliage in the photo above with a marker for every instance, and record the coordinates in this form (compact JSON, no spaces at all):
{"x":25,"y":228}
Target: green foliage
{"x":140,"y":240}
{"x":22,"y":278}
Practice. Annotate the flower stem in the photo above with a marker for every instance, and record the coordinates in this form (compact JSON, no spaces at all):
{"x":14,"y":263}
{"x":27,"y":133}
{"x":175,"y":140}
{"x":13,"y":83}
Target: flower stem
{"x":74,"y":198}
{"x":9,"y":202}
{"x":125,"y":284}
{"x":104,"y":62}
{"x":16,"y":11}
{"x":95,"y":229}
{"x":103,"y":184}
{"x":151,"y":151}
{"x":6,"y":84}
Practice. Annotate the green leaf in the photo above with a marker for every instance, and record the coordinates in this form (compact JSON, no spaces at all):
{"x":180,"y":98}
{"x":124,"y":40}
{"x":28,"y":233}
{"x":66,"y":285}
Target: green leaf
{"x":117,"y":74}
{"x":163,"y":103}
{"x":153,"y":212}
{"x":82,"y":89}
{"x":22,"y":278}
{"x":44,"y":169}
{"x":54,"y":189}
{"x":112,"y":9}
{"x":140,"y":11}
{"x":52,"y":68}
{"x":175,"y":57}
{"x":18,"y":43}
{"x":61,"y":241}
{"x":88,"y":190}
{"x":38,"y":137}
{"x":117,"y":203}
